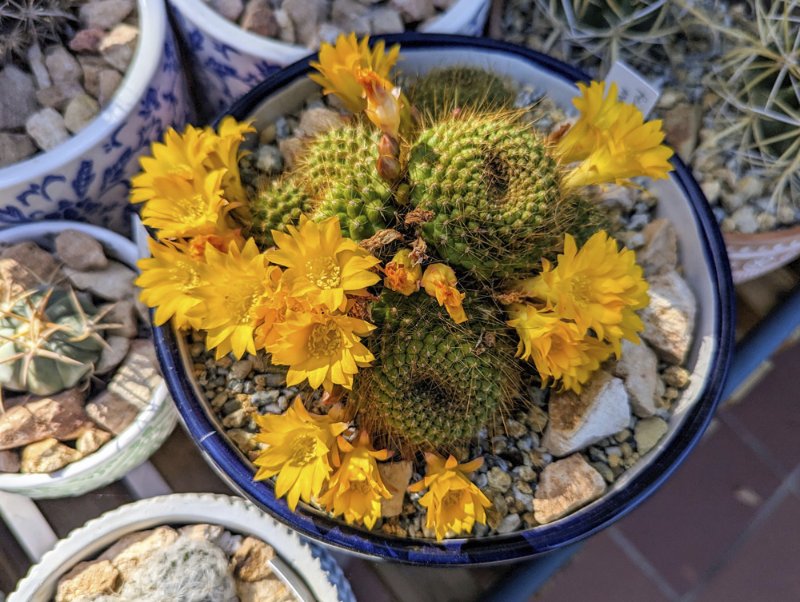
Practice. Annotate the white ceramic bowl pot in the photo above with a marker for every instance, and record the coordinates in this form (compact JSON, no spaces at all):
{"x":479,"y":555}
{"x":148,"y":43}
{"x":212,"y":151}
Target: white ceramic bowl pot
{"x":308,"y":571}
{"x":86,"y":177}
{"x":227,"y":61}
{"x":133,"y":445}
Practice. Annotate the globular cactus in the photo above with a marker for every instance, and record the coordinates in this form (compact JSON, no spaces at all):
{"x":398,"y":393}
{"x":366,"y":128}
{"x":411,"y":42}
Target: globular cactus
{"x":338,"y":172}
{"x":494,"y":190}
{"x":189,"y":570}
{"x":278,"y":205}
{"x":49,"y":341}
{"x":442,"y":91}
{"x":25,"y":23}
{"x":436,"y":383}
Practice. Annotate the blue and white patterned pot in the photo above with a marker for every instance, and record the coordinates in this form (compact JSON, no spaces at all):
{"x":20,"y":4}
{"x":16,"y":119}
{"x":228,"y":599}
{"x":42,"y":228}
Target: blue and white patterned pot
{"x":228,"y":61}
{"x":705,"y":267}
{"x":310,"y":571}
{"x":86,"y":177}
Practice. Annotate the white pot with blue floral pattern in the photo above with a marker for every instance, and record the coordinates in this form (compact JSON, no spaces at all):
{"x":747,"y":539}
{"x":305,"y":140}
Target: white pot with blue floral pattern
{"x":227,"y":61}
{"x":86,"y":177}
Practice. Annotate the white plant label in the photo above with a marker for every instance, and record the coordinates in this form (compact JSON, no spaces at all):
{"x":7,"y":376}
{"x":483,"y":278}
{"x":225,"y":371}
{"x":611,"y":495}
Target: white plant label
{"x":633,"y":88}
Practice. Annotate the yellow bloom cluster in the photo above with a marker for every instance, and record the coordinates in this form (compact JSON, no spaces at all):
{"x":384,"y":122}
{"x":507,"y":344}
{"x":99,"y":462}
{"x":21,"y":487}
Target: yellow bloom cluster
{"x":612,"y":140}
{"x":586,"y":305}
{"x":302,"y":451}
{"x":291,"y":300}
{"x":453,"y":502}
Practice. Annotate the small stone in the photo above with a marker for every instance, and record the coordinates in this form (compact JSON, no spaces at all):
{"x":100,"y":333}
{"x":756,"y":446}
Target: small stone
{"x":749,"y":187}
{"x":677,"y":376}
{"x":395,"y":476}
{"x":64,"y":70}
{"x":499,"y":480}
{"x":291,"y":149}
{"x":660,"y":252}
{"x":318,"y":121}
{"x":123,"y":315}
{"x":579,"y":420}
{"x":17,"y":97}
{"x":564,"y":486}
{"x":243,"y":439}
{"x":108,"y":80}
{"x":52,"y":97}
{"x":271,"y":588}
{"x":58,"y":416}
{"x":258,"y":16}
{"x":682,"y":126}
{"x":236,"y":419}
{"x":112,"y":283}
{"x":413,"y":10}
{"x":711,"y":190}
{"x":80,"y":251}
{"x":386,"y":20}
{"x":306,"y":15}
{"x":745,"y":220}
{"x":648,"y":432}
{"x":516,"y":429}
{"x":133,"y":549}
{"x":15,"y":148}
{"x":286,"y":27}
{"x":118,"y":46}
{"x":47,"y":128}
{"x":138,"y":376}
{"x":670,"y":316}
{"x":112,"y":412}
{"x":79,"y":112}
{"x":269,"y":159}
{"x":328,"y":32}
{"x":351,"y":15}
{"x":9,"y":461}
{"x":638,"y":367}
{"x":91,"y":439}
{"x":250,"y":563}
{"x":786,"y":215}
{"x":47,"y":455}
{"x":91,"y":67}
{"x":510,"y":522}
{"x":112,"y":354}
{"x":604,"y":470}
{"x":87,"y":580}
{"x":268,"y":135}
{"x":766,"y":222}
{"x":537,"y":418}
{"x":37,"y":67}
{"x":221,"y":538}
{"x":230,"y":9}
{"x":87,"y":40}
{"x":105,"y":14}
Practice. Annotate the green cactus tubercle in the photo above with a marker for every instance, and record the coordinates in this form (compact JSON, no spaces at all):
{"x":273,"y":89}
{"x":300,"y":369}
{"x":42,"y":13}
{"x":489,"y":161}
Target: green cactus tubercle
{"x":49,"y":341}
{"x":440,"y":91}
{"x":495,"y":192}
{"x":435,"y":383}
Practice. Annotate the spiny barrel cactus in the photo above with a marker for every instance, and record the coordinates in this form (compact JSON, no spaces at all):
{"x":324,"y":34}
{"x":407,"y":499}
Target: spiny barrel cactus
{"x":49,"y":341}
{"x":495,"y":192}
{"x":440,"y":91}
{"x":338,"y":171}
{"x":279,"y":205}
{"x":436,"y":383}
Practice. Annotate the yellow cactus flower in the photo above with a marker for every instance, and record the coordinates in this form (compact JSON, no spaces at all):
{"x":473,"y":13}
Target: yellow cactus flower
{"x":185,"y":208}
{"x":236,"y":283}
{"x":612,"y":141}
{"x":558,"y":348}
{"x":221,"y":240}
{"x":180,"y":156}
{"x":226,"y":156}
{"x":169,"y":281}
{"x":326,"y":349}
{"x":299,"y":448}
{"x":384,"y":105}
{"x":341,"y":64}
{"x":402,"y":274}
{"x":453,"y":502}
{"x":439,"y":281}
{"x":599,"y":286}
{"x":322,"y":264}
{"x":356,"y":488}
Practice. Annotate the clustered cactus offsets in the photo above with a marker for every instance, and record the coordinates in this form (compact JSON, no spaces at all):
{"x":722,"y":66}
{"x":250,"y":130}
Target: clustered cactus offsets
{"x":422,"y":260}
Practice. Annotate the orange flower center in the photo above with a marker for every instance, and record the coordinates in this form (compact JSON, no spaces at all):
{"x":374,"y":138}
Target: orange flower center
{"x":324,"y":272}
{"x":361,"y":487}
{"x":451,"y":498}
{"x":301,"y":450}
{"x":325,"y":340}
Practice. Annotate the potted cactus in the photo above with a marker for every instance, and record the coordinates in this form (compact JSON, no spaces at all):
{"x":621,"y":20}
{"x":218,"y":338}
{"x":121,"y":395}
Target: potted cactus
{"x":186,"y":547}
{"x":85,"y":85}
{"x":403,"y":333}
{"x":83,"y":402}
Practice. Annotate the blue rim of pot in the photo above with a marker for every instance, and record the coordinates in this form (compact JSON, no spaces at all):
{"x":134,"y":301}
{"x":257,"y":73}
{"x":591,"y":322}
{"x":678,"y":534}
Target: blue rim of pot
{"x":476,"y":550}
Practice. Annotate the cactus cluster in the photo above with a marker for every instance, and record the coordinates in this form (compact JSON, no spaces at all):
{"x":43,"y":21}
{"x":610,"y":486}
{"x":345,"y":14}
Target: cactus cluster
{"x":49,"y":340}
{"x":442,"y":91}
{"x":27,"y":23}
